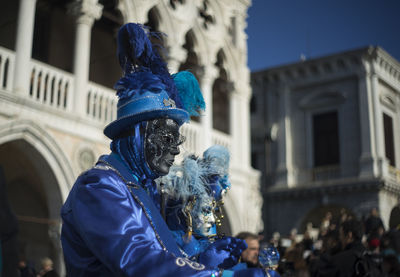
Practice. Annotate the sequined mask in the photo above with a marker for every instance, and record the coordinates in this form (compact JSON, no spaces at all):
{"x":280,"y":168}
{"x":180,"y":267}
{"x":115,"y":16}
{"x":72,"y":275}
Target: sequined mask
{"x":162,"y":140}
{"x":205,"y":222}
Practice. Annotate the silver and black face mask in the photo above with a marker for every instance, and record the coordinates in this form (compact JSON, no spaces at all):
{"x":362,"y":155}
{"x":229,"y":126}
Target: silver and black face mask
{"x":162,"y":140}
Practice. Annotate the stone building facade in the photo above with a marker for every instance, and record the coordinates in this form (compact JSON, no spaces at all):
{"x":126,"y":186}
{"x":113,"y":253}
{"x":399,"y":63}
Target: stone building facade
{"x":326,"y":136}
{"x":57,"y":69}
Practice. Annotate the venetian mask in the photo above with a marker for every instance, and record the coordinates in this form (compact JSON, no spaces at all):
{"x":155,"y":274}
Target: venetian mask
{"x":204,"y":223}
{"x":162,"y":140}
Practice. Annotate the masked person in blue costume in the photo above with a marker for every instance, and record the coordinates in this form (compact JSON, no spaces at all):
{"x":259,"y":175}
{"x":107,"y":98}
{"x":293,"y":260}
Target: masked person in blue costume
{"x":112,"y":224}
{"x":195,"y":189}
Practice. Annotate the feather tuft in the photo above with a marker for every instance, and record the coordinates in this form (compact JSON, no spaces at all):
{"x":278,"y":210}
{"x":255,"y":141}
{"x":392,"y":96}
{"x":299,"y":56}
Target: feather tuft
{"x":189,"y":92}
{"x":134,"y":47}
{"x":137,"y":54}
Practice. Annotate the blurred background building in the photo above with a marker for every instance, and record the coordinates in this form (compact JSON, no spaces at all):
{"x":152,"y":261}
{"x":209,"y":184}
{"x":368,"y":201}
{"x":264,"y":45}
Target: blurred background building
{"x":326,"y":137}
{"x":57,"y":68}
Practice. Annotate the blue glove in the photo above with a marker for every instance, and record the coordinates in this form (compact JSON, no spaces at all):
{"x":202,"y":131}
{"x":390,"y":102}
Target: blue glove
{"x":223,"y":253}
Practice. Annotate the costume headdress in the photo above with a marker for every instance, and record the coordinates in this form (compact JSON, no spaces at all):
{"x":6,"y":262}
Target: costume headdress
{"x":201,"y":180}
{"x":147,"y":90}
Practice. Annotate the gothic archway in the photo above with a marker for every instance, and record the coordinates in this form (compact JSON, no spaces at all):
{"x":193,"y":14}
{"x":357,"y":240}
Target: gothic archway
{"x":54,"y":34}
{"x":34,"y":198}
{"x":104,"y":67}
{"x":36,"y":177}
{"x":394,"y":219}
{"x":221,"y":90}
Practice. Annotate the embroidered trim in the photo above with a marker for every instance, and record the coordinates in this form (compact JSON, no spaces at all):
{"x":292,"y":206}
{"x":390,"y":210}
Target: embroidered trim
{"x":184,"y":261}
{"x":129,"y":184}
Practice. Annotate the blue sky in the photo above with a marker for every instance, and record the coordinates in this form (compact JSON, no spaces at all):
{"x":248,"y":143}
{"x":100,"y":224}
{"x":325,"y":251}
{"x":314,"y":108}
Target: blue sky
{"x":279,"y":31}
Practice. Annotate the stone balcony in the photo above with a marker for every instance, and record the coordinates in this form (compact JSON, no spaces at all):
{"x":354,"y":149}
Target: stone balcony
{"x":51,"y":92}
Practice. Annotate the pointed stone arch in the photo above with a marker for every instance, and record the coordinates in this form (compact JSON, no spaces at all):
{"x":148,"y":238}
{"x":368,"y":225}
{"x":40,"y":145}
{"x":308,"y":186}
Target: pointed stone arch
{"x":221,"y":91}
{"x":37,"y":178}
{"x":104,"y":67}
{"x":35,"y":136}
{"x":54,"y":34}
{"x":394,"y":219}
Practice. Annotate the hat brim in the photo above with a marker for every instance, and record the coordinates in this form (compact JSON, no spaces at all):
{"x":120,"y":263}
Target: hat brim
{"x":113,"y":129}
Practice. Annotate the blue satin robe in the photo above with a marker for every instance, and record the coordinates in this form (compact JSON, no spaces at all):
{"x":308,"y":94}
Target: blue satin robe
{"x":107,"y":232}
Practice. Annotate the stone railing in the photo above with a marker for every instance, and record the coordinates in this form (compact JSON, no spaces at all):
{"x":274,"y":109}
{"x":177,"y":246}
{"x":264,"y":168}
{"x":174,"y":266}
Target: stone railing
{"x":193,"y":134}
{"x":221,"y":138}
{"x":325,"y":173}
{"x":394,"y":173}
{"x":54,"y":88}
{"x":7,"y":58}
{"x":101,"y":103}
{"x":51,"y":86}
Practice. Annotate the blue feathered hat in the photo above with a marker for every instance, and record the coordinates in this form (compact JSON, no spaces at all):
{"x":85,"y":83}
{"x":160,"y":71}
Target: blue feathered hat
{"x":147,"y":90}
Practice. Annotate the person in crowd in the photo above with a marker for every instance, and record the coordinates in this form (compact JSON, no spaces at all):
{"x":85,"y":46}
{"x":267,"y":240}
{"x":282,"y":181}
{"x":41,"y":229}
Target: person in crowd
{"x":322,"y":264}
{"x":325,"y":223}
{"x":353,"y":259}
{"x":295,"y":256}
{"x":350,"y":233}
{"x":25,"y":270}
{"x":47,"y":269}
{"x":391,"y":266}
{"x":250,"y":255}
{"x":112,"y":225}
{"x":374,"y":227}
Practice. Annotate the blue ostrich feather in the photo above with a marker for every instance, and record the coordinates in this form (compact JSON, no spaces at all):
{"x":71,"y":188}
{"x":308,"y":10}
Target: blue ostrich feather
{"x":189,"y":92}
{"x":216,"y":160}
{"x":134,"y":47}
{"x":136,"y":54}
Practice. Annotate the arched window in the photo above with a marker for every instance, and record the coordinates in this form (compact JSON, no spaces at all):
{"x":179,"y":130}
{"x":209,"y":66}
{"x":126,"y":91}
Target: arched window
{"x":8,"y":24}
{"x":54,"y":34}
{"x":104,"y":67}
{"x":192,"y":62}
{"x":221,"y":97}
{"x":158,"y":40}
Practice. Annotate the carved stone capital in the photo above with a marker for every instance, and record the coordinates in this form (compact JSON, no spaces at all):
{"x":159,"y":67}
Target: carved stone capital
{"x":85,"y":11}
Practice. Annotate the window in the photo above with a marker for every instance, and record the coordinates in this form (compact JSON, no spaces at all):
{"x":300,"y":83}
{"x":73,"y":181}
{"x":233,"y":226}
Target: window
{"x":254,"y":160}
{"x":221,"y":90}
{"x":253,"y":105}
{"x":389,"y":139}
{"x":326,"y":139}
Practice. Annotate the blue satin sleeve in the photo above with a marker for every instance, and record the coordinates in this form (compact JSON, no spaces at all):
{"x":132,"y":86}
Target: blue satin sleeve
{"x":106,"y":232}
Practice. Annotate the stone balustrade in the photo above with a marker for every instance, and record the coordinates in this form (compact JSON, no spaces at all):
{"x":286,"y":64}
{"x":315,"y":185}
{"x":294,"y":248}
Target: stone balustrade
{"x":54,"y":88}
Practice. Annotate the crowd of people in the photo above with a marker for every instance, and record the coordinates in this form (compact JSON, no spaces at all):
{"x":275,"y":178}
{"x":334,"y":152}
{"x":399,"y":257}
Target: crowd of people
{"x":343,"y":246}
{"x":46,"y":270}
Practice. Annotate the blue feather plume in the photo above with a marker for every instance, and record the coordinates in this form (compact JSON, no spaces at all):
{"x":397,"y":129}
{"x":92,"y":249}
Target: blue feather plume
{"x":216,"y":160}
{"x":189,"y":92}
{"x":199,"y":177}
{"x":136,"y":53}
{"x":134,"y":47}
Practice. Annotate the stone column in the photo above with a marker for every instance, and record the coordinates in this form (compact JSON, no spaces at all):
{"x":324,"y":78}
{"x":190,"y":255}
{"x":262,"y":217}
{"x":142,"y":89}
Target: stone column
{"x":244,"y":126}
{"x":86,"y":12}
{"x":23,"y":49}
{"x":239,"y":124}
{"x":285,"y":163}
{"x":235,"y":128}
{"x":368,"y":162}
{"x":378,"y":120}
{"x":206,"y":84}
